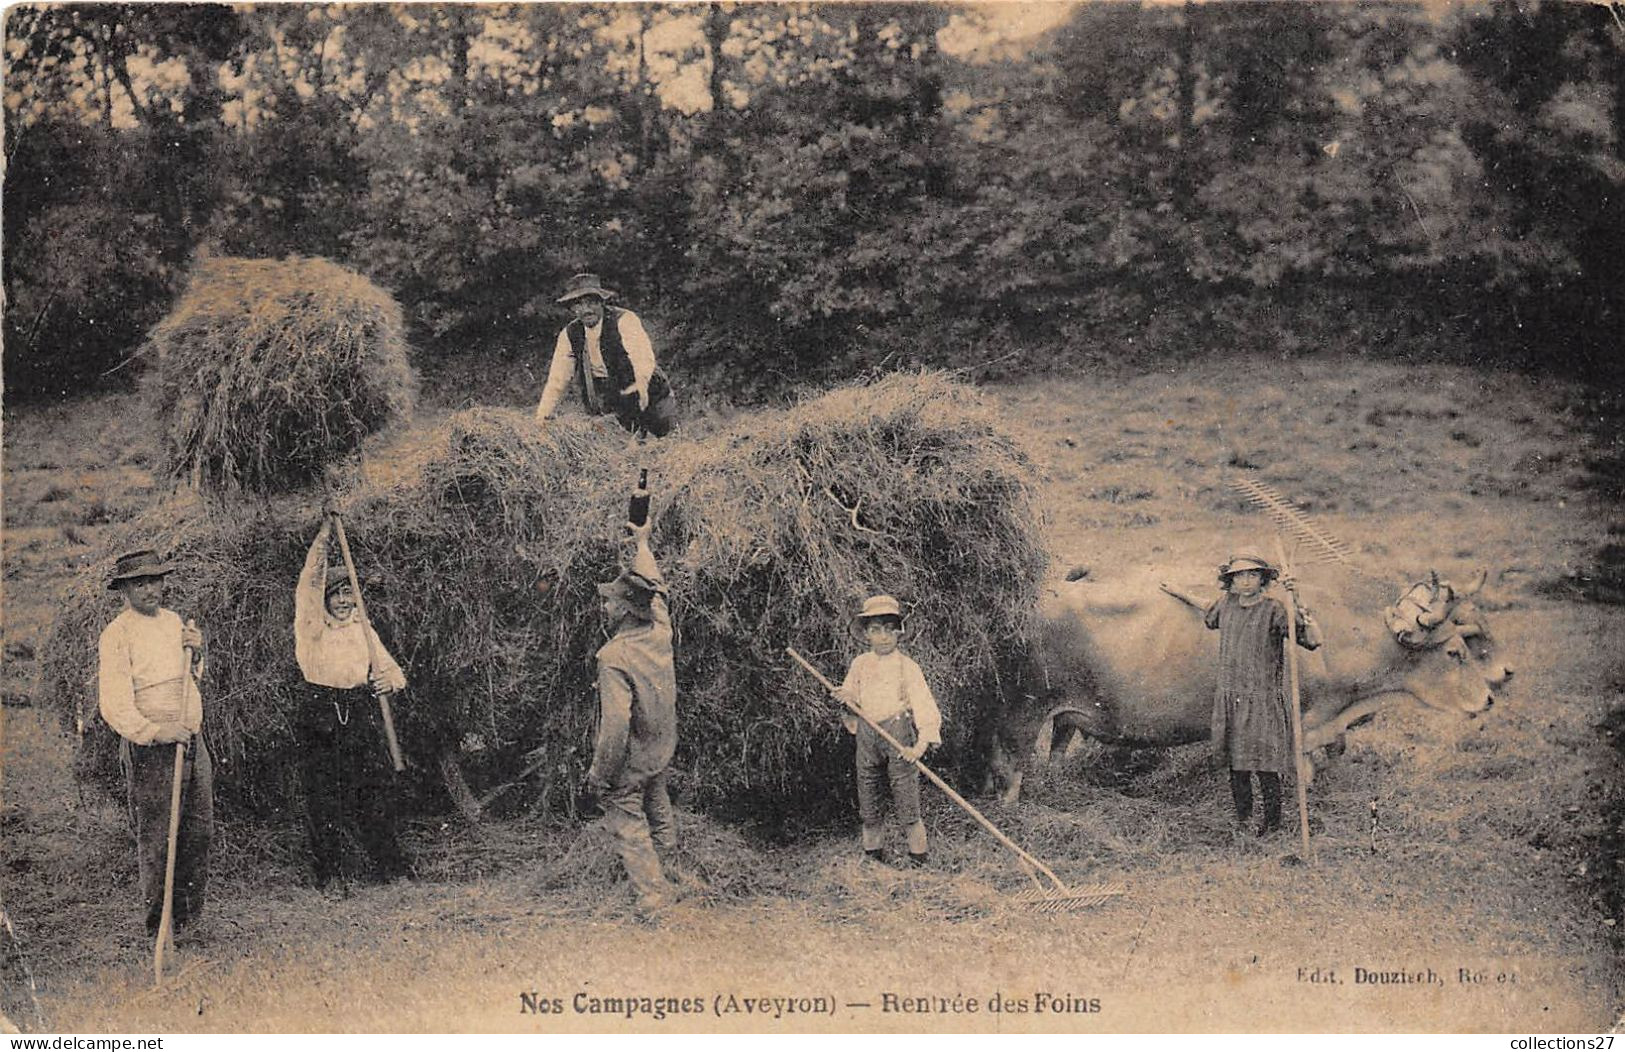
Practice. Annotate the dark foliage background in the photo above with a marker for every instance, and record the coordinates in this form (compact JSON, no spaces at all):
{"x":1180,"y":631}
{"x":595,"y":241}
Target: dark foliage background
{"x":792,"y":193}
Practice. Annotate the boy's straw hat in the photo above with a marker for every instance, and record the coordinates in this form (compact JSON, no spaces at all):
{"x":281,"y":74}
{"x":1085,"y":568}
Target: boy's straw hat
{"x":1238,"y":563}
{"x":585,"y":285}
{"x":143,"y":563}
{"x":876,"y":606}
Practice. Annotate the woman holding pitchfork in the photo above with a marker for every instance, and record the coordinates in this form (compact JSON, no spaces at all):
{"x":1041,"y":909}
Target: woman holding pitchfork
{"x":344,"y":765}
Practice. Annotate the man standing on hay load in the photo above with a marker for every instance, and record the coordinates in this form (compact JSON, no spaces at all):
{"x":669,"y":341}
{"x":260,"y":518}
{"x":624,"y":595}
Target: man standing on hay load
{"x":637,"y":726}
{"x":343,"y":761}
{"x":887,"y":686}
{"x":609,"y":355}
{"x":147,"y":687}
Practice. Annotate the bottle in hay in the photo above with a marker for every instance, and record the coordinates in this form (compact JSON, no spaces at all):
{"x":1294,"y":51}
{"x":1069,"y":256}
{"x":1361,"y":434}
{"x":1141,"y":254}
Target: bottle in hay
{"x":637,"y":510}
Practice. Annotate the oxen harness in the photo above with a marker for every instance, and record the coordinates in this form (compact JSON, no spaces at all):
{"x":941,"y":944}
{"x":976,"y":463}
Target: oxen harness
{"x":1431,"y":614}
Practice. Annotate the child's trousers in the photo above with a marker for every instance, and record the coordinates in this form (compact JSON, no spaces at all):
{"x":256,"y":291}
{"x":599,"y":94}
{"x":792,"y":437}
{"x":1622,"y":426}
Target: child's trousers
{"x":878,"y":765}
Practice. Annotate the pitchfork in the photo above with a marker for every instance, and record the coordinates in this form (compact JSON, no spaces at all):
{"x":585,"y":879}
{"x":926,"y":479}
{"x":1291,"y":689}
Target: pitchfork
{"x":1054,"y":897}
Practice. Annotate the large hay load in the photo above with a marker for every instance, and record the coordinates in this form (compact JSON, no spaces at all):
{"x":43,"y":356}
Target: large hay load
{"x":270,"y":370}
{"x":479,"y":543}
{"x":776,"y":531}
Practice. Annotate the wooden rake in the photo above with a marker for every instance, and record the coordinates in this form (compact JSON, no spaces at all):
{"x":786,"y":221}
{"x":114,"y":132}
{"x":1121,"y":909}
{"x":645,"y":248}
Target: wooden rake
{"x":1292,"y":521}
{"x":165,"y":944}
{"x":1054,"y":897}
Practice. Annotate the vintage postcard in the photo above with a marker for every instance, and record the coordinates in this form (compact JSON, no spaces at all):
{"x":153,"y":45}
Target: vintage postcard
{"x":1093,"y":518}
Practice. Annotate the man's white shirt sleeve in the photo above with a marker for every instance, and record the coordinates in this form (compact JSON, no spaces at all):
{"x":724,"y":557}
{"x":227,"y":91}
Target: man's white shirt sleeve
{"x":638,"y":348}
{"x":558,"y":375}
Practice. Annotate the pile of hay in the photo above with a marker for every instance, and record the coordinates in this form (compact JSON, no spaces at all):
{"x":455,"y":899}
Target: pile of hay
{"x":775,"y":532}
{"x":270,"y":370}
{"x":480,"y":542}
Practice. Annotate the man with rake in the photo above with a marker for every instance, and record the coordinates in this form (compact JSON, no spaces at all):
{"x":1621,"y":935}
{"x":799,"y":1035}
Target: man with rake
{"x":637,"y":727}
{"x":147,"y":689}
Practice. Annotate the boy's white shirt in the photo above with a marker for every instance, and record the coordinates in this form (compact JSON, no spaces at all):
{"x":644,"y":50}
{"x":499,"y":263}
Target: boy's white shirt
{"x":330,"y":652}
{"x":885,"y":686}
{"x":143,"y":680}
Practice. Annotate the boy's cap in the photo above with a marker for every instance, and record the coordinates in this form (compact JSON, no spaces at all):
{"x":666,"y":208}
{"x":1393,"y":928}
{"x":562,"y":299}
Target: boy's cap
{"x":638,"y":583}
{"x":143,"y":563}
{"x":880,"y":606}
{"x":631,"y":586}
{"x":876,"y":606}
{"x":336,"y":576}
{"x":1238,"y":563}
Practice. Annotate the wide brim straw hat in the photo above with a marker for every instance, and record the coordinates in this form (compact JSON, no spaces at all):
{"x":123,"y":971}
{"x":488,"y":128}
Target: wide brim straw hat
{"x":143,"y":563}
{"x":1238,"y":563}
{"x":877,"y":606}
{"x":585,"y":285}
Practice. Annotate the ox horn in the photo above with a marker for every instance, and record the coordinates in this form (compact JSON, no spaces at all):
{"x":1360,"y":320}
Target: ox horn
{"x":1476,"y":585}
{"x":1433,"y":578}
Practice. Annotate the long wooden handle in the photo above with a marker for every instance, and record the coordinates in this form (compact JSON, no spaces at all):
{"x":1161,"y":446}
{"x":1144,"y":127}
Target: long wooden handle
{"x":1292,"y":706}
{"x":166,"y":920}
{"x":395,"y":757}
{"x":981,"y":819}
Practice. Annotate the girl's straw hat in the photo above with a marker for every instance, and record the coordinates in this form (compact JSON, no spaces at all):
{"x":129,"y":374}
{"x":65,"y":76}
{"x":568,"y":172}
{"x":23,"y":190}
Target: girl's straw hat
{"x":1238,"y":563}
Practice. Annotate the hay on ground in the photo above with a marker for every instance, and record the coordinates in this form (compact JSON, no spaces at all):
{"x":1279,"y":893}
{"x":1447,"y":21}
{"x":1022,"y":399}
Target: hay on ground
{"x":479,"y":544}
{"x":270,"y":370}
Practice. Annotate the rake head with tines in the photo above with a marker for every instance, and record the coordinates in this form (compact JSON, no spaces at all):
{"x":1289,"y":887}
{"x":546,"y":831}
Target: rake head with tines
{"x":1065,"y":899}
{"x":1294,"y":522}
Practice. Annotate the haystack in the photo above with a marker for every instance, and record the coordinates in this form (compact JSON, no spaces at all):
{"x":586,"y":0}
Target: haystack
{"x":270,"y":370}
{"x":479,"y":543}
{"x":774,"y":534}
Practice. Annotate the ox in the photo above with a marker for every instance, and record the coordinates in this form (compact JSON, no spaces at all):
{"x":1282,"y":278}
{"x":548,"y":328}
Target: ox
{"x":1129,"y":662}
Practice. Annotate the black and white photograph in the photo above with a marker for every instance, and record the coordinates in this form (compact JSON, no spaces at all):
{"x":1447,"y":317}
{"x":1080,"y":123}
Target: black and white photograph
{"x":1098,"y":517}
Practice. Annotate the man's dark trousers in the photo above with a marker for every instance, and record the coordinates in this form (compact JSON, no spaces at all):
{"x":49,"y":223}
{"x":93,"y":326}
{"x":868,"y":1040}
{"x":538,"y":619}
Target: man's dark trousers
{"x":149,"y":778}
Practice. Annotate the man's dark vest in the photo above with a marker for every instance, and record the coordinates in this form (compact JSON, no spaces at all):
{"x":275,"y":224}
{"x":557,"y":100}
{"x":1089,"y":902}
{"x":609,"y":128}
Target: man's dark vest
{"x":604,"y":396}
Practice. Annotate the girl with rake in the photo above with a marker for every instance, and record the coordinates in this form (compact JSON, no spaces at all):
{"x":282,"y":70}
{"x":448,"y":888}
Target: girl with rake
{"x":1251,"y":724}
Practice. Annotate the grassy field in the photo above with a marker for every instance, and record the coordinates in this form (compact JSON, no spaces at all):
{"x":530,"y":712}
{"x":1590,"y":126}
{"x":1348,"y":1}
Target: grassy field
{"x":1497,"y":852}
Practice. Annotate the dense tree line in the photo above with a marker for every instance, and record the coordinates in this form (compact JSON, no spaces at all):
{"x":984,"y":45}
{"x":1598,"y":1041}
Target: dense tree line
{"x":795,"y":192}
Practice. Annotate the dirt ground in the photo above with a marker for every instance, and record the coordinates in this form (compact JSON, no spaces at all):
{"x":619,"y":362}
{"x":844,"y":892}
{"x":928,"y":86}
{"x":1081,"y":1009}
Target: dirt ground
{"x":1492,"y":880}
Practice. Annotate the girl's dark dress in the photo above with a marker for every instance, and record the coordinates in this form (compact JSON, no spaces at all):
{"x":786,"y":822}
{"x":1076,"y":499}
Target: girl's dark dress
{"x":1250,"y":721}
